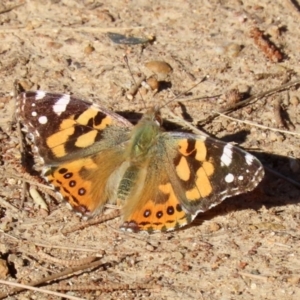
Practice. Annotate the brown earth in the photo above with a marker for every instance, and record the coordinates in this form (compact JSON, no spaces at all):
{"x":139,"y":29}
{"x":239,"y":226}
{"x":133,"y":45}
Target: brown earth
{"x":245,"y":248}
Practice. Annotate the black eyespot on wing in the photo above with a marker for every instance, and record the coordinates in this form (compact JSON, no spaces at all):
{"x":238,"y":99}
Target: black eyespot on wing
{"x":170,"y":210}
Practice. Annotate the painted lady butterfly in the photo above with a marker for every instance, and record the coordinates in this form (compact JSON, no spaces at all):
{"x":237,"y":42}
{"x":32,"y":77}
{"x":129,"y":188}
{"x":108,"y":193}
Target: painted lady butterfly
{"x":93,"y":156}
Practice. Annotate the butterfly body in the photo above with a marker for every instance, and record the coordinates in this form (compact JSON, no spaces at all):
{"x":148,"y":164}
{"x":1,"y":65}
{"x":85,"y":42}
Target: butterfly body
{"x":162,"y":179}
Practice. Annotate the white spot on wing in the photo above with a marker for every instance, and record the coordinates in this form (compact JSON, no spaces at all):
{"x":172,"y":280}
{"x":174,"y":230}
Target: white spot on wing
{"x":40,"y":95}
{"x":61,"y":104}
{"x":43,"y":120}
{"x":241,"y":177}
{"x":249,"y":159}
{"x":34,"y":113}
{"x":229,"y":178}
{"x":226,"y":157}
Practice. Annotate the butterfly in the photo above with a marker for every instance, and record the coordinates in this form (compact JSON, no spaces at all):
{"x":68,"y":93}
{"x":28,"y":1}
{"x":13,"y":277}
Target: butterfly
{"x":162,"y":180}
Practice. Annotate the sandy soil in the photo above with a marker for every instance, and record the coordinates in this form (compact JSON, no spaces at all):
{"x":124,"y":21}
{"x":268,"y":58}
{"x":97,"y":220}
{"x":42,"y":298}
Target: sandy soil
{"x":247,"y":247}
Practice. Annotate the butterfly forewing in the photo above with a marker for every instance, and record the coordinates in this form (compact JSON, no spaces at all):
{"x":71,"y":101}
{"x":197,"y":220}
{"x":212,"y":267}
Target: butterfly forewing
{"x":210,"y":171}
{"x":62,"y":125}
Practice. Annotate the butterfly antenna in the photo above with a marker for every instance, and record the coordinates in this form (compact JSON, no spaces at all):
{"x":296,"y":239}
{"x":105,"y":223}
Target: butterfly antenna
{"x":135,"y":89}
{"x":185,"y":92}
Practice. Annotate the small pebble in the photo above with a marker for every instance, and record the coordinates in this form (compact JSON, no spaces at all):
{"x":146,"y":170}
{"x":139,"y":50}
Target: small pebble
{"x":3,"y":269}
{"x":233,"y":49}
{"x":153,"y":83}
{"x":274,"y":32}
{"x":150,"y":248}
{"x":89,"y":49}
{"x":294,"y":100}
{"x":54,"y":45}
{"x":213,"y":227}
{"x":160,"y":68}
{"x":293,"y":279}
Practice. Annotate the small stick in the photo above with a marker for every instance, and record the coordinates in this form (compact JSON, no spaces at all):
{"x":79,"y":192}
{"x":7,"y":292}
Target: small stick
{"x":133,"y":90}
{"x":277,"y":113}
{"x":259,"y":277}
{"x":294,"y":182}
{"x":63,"y":262}
{"x":8,"y":205}
{"x":23,"y":287}
{"x":71,"y":29}
{"x":100,"y":219}
{"x":103,"y":287}
{"x":250,"y":100}
{"x":75,"y":248}
{"x":67,"y":272}
{"x":258,"y":125}
{"x":11,"y":8}
{"x":185,"y":123}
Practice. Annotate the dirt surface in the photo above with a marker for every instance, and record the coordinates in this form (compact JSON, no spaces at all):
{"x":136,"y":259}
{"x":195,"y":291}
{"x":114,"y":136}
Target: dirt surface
{"x":245,"y":248}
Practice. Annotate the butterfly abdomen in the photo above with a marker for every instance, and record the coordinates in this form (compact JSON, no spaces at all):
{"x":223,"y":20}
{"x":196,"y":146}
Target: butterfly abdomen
{"x":127,"y":182}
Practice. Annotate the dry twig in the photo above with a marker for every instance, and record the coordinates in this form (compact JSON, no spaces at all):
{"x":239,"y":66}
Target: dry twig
{"x":258,"y":277}
{"x":64,"y":262}
{"x":8,"y":9}
{"x":250,"y":100}
{"x":22,"y":287}
{"x":99,"y":219}
{"x":103,"y":287}
{"x":277,"y":113}
{"x":67,"y":273}
{"x":258,"y":125}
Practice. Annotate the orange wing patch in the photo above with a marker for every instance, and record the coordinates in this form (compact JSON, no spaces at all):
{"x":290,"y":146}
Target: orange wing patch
{"x":194,"y":152}
{"x":199,"y":148}
{"x":86,"y":139}
{"x":97,"y":120}
{"x":57,"y":140}
{"x":203,"y":187}
{"x":79,"y":131}
{"x":76,"y":190}
{"x":155,"y":216}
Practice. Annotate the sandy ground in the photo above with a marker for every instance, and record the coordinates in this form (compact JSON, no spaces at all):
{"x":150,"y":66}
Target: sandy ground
{"x":247,"y":247}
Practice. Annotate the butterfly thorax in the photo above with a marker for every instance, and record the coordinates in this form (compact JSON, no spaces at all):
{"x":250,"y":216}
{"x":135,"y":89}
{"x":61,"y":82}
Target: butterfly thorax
{"x":144,"y":136}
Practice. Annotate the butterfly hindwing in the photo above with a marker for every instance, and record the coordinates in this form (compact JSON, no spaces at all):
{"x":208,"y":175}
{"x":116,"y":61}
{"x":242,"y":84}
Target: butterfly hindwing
{"x":83,"y":183}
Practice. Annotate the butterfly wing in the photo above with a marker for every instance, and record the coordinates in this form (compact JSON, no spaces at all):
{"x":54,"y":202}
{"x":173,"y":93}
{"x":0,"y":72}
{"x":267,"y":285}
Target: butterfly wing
{"x":188,"y":174}
{"x":85,"y":183}
{"x":64,"y":127}
{"x":82,"y":144}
